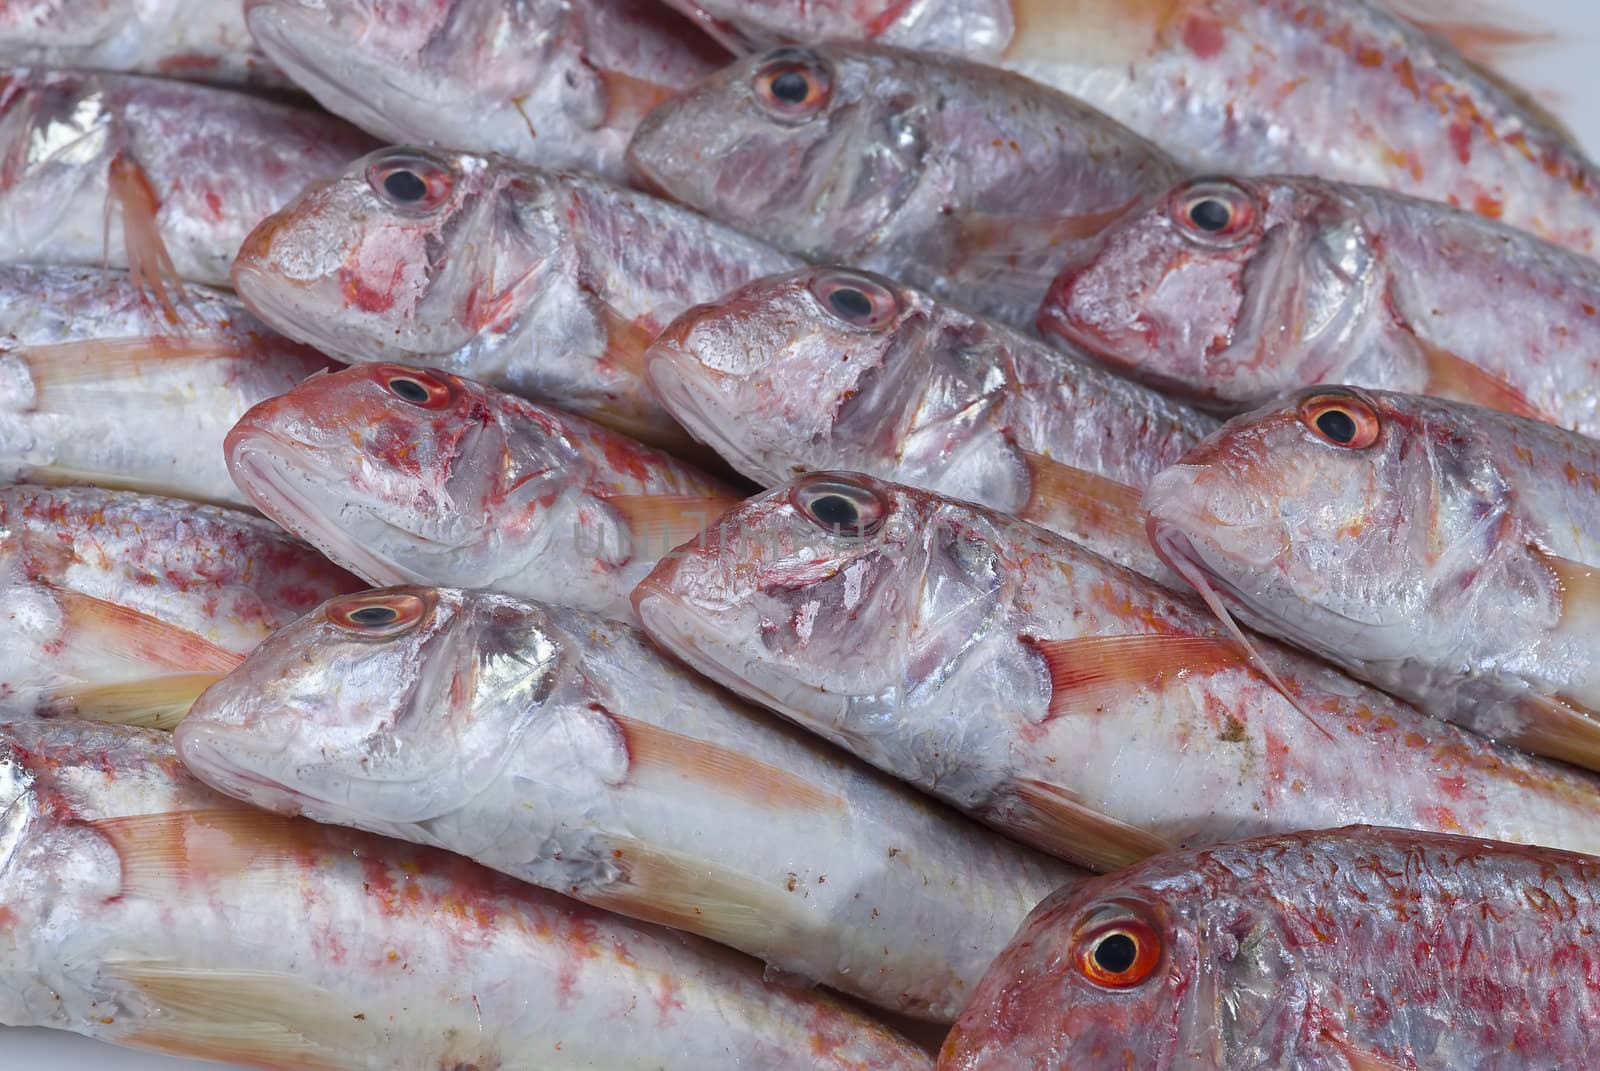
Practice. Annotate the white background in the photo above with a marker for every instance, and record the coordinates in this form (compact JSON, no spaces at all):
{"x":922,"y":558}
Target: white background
{"x":1565,"y":76}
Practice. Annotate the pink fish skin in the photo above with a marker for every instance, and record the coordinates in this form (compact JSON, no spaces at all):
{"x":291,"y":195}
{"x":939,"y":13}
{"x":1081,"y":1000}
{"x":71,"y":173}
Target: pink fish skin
{"x":966,"y":181}
{"x":548,"y":284}
{"x":1062,"y":698}
{"x":833,"y":368}
{"x":304,"y":947}
{"x":1444,"y":552}
{"x":186,"y":170}
{"x":411,"y":476}
{"x":123,"y":606}
{"x":1354,"y":949}
{"x":1231,"y":291}
{"x":1344,"y":89}
{"x":550,"y":82}
{"x":202,"y":40}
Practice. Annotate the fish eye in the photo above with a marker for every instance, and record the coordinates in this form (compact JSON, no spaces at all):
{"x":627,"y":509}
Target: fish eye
{"x":793,"y":84}
{"x":1119,"y":954}
{"x":377,"y":615}
{"x":856,"y":299}
{"x":1341,"y":420}
{"x":414,"y":386}
{"x":1215,"y":212}
{"x":840,"y":506}
{"x":410,"y":180}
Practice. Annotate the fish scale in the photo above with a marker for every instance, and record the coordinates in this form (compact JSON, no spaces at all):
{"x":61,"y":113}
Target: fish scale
{"x":563,"y":750}
{"x":318,"y":948}
{"x":1354,"y":949}
{"x":1059,"y":697}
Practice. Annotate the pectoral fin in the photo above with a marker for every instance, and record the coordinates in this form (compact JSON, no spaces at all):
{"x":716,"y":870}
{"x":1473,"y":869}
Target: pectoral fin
{"x":1087,"y":675}
{"x":1052,"y":819}
{"x":149,"y":263}
{"x":96,"y":630}
{"x":661,"y":522}
{"x":255,"y":1018}
{"x":156,"y":702}
{"x":1083,"y":500}
{"x":1460,"y":380}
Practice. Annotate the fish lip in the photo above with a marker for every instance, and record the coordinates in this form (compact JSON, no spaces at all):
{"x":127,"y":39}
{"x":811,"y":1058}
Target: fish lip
{"x":677,"y":394}
{"x":195,"y":741}
{"x":264,"y":483}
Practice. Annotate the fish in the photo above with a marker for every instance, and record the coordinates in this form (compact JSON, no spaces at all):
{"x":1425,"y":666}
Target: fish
{"x":963,"y":180}
{"x":199,"y":40}
{"x":311,"y":948}
{"x":1447,"y":553}
{"x":549,"y":82}
{"x":96,"y":386}
{"x":1231,"y":291}
{"x":410,"y":476}
{"x":563,"y":750}
{"x":164,"y":178}
{"x":125,"y":607}
{"x":1354,"y":949}
{"x":1401,"y":95}
{"x":1062,"y":699}
{"x":834,"y":368}
{"x":547,"y":284}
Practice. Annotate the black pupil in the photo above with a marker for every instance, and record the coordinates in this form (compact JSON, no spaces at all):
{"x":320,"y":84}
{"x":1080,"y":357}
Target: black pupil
{"x":1337,"y":425}
{"x":850,"y":303}
{"x":1116,"y":953}
{"x":835,"y":511}
{"x":1210,"y":215}
{"x":374,"y":615}
{"x":409,"y":390}
{"x":791,"y":87}
{"x":405,"y":186}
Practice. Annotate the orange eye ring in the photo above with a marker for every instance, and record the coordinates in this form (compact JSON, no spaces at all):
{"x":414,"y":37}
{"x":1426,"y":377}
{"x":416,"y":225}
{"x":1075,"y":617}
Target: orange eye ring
{"x":840,"y":505}
{"x":1215,"y":212}
{"x":1119,"y":954}
{"x":793,"y":85}
{"x":410,"y":181}
{"x":856,"y":299}
{"x":424,"y":389}
{"x":377,"y":615}
{"x":1341,"y":419}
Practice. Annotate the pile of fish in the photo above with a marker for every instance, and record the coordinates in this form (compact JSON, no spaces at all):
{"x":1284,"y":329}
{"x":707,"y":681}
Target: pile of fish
{"x":694,"y":535}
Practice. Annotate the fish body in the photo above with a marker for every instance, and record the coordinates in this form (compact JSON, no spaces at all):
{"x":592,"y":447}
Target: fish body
{"x":1444,"y":552}
{"x":1340,"y":950}
{"x":410,"y":476}
{"x":141,"y":908}
{"x":966,"y":181}
{"x":547,"y":284}
{"x":565,"y":751}
{"x":204,"y":40}
{"x":186,"y":169}
{"x":1344,"y":89}
{"x":125,"y":606}
{"x":1059,"y":697}
{"x":831,"y":368}
{"x":556,"y":83}
{"x":98,"y":387}
{"x":1232,"y":291}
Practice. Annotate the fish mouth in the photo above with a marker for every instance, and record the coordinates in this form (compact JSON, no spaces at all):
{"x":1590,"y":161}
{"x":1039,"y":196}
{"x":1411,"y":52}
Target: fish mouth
{"x":197,"y":740}
{"x":269,"y":482}
{"x":301,"y":41}
{"x":664,"y":371}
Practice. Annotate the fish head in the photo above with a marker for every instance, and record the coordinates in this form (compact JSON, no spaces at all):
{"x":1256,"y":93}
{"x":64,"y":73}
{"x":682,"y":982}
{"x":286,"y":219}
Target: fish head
{"x":1334,"y":517}
{"x":405,"y":475}
{"x":396,"y":259}
{"x":792,"y":367}
{"x":814,"y":149}
{"x":825,"y":596}
{"x":382,"y":707}
{"x":1165,"y":965}
{"x":1219,"y":291}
